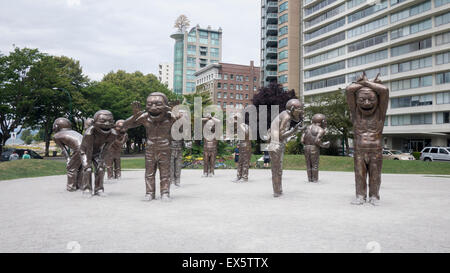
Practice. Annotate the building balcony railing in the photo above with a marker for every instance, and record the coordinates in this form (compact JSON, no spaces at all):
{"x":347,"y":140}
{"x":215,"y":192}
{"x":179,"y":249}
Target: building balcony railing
{"x":271,"y":52}
{"x":271,"y":62}
{"x":272,"y":18}
{"x":272,"y":7}
{"x":272,"y":29}
{"x":270,"y":74}
{"x":271,"y":41}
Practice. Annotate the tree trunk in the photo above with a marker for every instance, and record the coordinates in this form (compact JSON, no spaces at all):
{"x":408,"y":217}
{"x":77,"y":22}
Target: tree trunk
{"x":47,"y":140}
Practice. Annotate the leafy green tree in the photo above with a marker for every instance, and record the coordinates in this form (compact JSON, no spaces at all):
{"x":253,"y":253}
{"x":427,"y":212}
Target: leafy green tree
{"x":116,"y":91}
{"x":14,"y":92}
{"x":49,"y":103}
{"x":26,"y":136}
{"x":334,"y":107}
{"x":39,"y":136}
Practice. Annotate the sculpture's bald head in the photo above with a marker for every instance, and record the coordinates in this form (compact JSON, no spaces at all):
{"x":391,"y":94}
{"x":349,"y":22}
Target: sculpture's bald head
{"x":103,"y":120}
{"x":295,"y":107}
{"x":366,"y":101}
{"x":61,"y":123}
{"x":320,"y":120}
{"x":157,"y":105}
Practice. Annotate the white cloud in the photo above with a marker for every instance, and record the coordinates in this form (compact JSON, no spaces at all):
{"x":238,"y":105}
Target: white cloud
{"x":106,"y":35}
{"x":72,"y":3}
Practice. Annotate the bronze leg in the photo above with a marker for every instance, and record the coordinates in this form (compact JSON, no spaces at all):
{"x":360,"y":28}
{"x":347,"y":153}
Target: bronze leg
{"x":205,"y":162}
{"x":314,"y":161}
{"x":99,"y":174}
{"x":246,"y":163}
{"x":164,"y":170}
{"x":308,"y":163}
{"x":109,"y":166}
{"x":212,"y":163}
{"x":178,"y":165}
{"x":150,"y":171}
{"x":73,"y":172}
{"x":375,"y":165}
{"x":360,"y":174}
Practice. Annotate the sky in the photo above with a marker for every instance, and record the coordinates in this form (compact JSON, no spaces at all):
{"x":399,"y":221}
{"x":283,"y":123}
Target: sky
{"x":107,"y":35}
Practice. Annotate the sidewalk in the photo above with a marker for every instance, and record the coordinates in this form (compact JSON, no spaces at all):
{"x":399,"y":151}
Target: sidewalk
{"x":216,"y":215}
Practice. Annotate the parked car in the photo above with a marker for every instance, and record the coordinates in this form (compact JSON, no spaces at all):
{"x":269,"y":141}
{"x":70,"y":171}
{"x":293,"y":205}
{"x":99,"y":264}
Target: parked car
{"x":435,"y":154}
{"x":397,"y":155}
{"x":5,"y":155}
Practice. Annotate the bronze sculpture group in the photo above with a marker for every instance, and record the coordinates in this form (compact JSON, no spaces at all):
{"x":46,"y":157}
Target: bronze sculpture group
{"x":100,"y":146}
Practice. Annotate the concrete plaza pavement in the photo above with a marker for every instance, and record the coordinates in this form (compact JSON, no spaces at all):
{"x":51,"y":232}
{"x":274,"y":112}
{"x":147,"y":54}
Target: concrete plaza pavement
{"x":216,"y":215}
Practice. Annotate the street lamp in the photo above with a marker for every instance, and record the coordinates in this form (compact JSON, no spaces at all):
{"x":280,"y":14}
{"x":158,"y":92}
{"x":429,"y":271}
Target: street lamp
{"x":70,"y":101}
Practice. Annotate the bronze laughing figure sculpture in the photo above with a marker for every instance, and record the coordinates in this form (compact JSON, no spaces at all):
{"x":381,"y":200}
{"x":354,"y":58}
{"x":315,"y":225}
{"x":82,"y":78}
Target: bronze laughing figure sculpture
{"x":278,"y":135}
{"x":209,"y":147}
{"x":97,"y":140}
{"x":312,"y":140}
{"x":113,"y":166}
{"x":69,"y":141}
{"x":368,"y":102}
{"x":176,"y":154}
{"x":157,"y":120}
{"x":245,"y":150}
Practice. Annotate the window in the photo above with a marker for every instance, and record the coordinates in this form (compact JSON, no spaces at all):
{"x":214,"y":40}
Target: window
{"x":192,"y":36}
{"x":443,"y":78}
{"x":225,"y":87}
{"x":283,"y":55}
{"x":225,"y":95}
{"x":224,"y":105}
{"x":443,"y":58}
{"x":190,"y":86}
{"x":325,"y":29}
{"x":282,"y":31}
{"x":231,"y":77}
{"x":371,"y":73}
{"x":354,"y":3}
{"x":326,"y":42}
{"x":368,"y":42}
{"x":438,"y":3}
{"x":283,"y":42}
{"x":283,"y":7}
{"x":412,"y":83}
{"x":325,"y":16}
{"x":411,"y":11}
{"x":214,"y":52}
{"x":190,"y":74}
{"x":325,"y":56}
{"x":282,"y":79}
{"x":368,"y":58}
{"x":415,"y":119}
{"x":395,"y":2}
{"x":411,"y":29}
{"x":442,"y":117}
{"x":225,"y":76}
{"x":190,"y":62}
{"x":282,"y":67}
{"x":325,"y":69}
{"x":411,"y":47}
{"x":367,"y":11}
{"x":318,"y":6}
{"x":283,"y":19}
{"x":443,"y":38}
{"x":412,"y":65}
{"x":412,"y":101}
{"x":443,"y":98}
{"x":246,"y":87}
{"x":356,"y":31}
{"x":231,"y":86}
{"x":442,"y":19}
{"x":231,"y":94}
{"x":246,"y":78}
{"x":219,"y":95}
{"x":191,"y":49}
{"x":325,"y":83}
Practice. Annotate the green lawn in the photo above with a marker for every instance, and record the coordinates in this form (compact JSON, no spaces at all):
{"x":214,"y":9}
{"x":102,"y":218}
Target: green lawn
{"x":35,"y":168}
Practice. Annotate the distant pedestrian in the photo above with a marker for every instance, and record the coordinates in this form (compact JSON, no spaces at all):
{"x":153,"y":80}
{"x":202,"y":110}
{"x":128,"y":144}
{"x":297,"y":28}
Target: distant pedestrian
{"x":26,"y":155}
{"x":266,"y":159}
{"x":13,"y":156}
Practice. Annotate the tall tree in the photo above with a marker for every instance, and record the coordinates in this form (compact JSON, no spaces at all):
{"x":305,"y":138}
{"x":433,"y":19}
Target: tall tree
{"x":14,"y":93}
{"x":334,"y":107}
{"x":49,"y":102}
{"x":273,"y":94}
{"x":182,"y":23}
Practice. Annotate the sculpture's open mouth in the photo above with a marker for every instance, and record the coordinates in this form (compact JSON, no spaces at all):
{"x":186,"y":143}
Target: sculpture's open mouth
{"x":155,"y":114}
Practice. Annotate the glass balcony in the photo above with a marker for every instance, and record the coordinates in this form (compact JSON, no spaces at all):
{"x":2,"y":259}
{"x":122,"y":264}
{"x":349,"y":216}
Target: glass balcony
{"x":272,"y":7}
{"x":271,"y":41}
{"x":272,"y":18}
{"x":271,"y":52}
{"x":272,"y":29}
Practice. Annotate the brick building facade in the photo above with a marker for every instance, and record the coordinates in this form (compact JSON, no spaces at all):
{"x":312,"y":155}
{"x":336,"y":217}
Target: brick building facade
{"x":229,"y":85}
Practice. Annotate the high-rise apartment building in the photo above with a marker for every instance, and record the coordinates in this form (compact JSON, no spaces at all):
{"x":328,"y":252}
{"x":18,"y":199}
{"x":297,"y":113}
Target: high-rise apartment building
{"x":406,"y":41}
{"x":194,"y":49}
{"x":229,"y":85}
{"x":165,"y":74}
{"x":280,"y":43}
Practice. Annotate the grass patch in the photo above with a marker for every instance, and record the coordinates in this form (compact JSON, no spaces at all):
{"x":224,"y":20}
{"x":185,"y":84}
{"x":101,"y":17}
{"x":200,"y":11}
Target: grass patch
{"x":31,"y":168}
{"x":35,"y":168}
